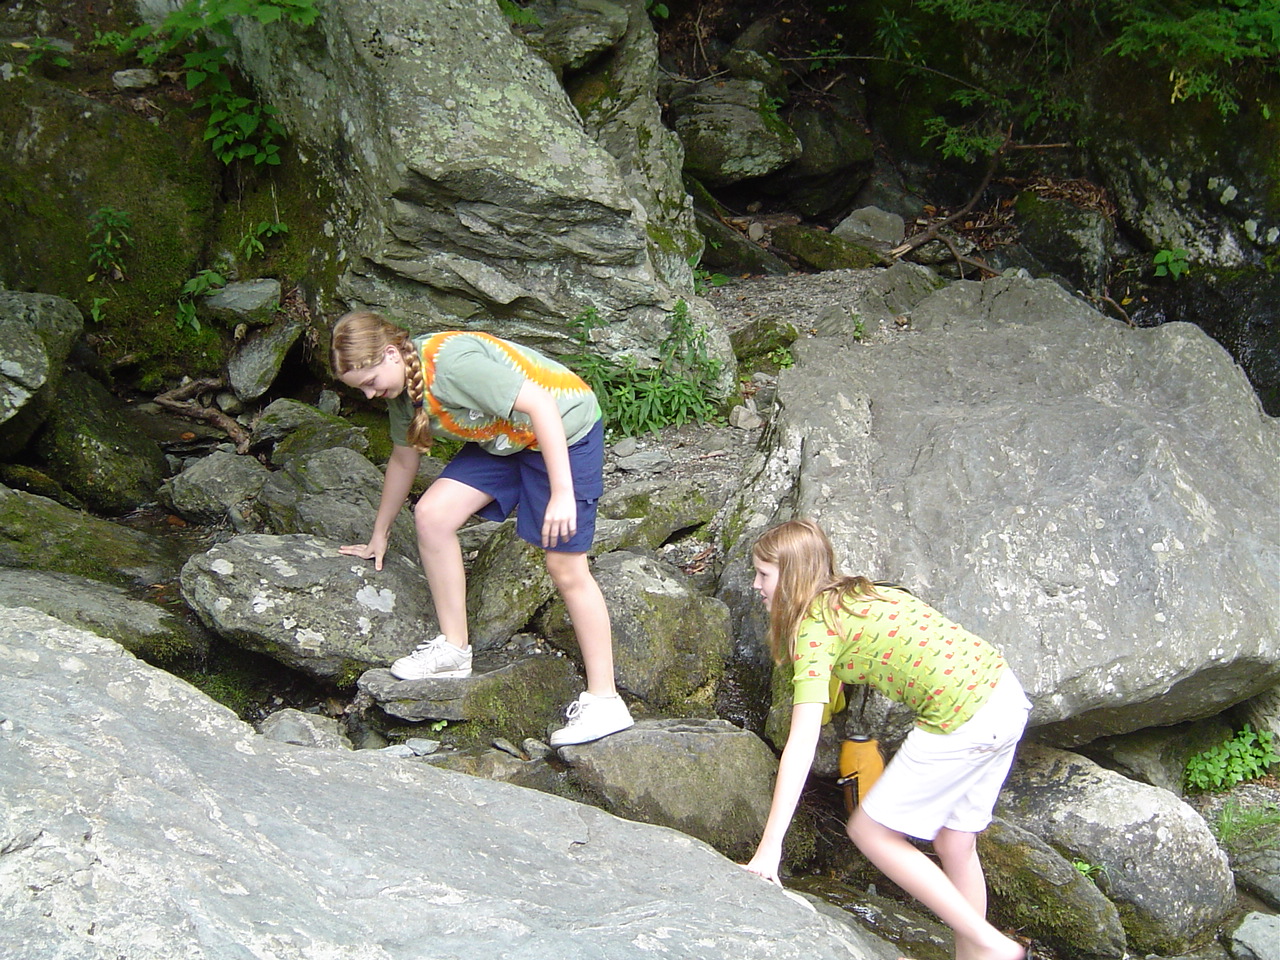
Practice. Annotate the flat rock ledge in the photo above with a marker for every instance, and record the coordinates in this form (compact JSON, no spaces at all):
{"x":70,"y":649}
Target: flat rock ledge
{"x":138,"y":818}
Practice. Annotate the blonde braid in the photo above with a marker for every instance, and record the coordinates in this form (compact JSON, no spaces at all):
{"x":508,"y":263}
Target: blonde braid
{"x":419,"y":432}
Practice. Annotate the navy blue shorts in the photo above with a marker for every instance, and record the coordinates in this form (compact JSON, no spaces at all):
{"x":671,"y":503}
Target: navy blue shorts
{"x":519,"y":480}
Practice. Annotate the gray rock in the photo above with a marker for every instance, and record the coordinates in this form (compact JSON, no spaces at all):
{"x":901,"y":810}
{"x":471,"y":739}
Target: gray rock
{"x":730,"y":133}
{"x":1070,"y":241}
{"x":706,"y":778}
{"x":258,"y":358}
{"x":572,"y":34}
{"x":670,"y":643}
{"x":332,"y":494}
{"x":253,"y":302}
{"x":1170,"y":902}
{"x":872,"y":223}
{"x":294,"y":429}
{"x":304,"y":730}
{"x":645,"y":461}
{"x":295,"y":598}
{"x":36,"y":335}
{"x":663,"y":508}
{"x":1256,"y":938}
{"x":1036,"y":891}
{"x":38,"y":534}
{"x":440,"y":240}
{"x":141,"y":819}
{"x":1158,"y":755}
{"x":1047,"y":478}
{"x":139,"y":79}
{"x":145,"y":629}
{"x":215,"y":486}
{"x":511,"y":701}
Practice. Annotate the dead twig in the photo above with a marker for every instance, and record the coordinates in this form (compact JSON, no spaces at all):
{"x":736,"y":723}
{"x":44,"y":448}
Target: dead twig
{"x":920,"y":239}
{"x":178,"y":400}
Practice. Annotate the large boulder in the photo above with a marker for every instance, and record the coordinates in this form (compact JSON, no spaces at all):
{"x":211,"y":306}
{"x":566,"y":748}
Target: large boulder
{"x":1155,"y":858}
{"x":1052,"y":480}
{"x":481,"y":197}
{"x":333,"y":494}
{"x":37,"y":332}
{"x":217,"y":487}
{"x":140,"y":819}
{"x":298,"y":600}
{"x":731,"y":132}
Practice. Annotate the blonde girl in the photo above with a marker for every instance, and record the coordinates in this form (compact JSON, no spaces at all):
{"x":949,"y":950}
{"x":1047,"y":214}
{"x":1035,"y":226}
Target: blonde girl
{"x":534,"y":444}
{"x":943,"y":782}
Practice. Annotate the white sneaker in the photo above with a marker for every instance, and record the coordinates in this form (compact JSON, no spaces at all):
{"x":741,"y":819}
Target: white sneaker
{"x":434,"y":658}
{"x":590,"y":718}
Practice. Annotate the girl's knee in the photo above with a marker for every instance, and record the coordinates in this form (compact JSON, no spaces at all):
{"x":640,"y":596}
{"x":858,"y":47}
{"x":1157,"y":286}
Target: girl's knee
{"x":955,"y":844}
{"x":568,"y":569}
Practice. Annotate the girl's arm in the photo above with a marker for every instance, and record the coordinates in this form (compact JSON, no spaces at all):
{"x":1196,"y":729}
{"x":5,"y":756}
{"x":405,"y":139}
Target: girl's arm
{"x":793,"y":770}
{"x":401,"y":470}
{"x":561,"y":519}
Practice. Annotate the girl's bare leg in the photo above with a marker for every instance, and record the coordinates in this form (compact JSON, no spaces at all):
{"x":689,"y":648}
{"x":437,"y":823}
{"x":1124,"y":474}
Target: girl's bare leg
{"x":441,"y":511}
{"x":958,"y":851}
{"x":572,"y":576}
{"x":910,"y":869}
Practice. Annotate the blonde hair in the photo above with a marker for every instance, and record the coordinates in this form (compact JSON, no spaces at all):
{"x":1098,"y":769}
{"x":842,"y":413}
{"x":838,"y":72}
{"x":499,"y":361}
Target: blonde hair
{"x":806,"y":570}
{"x":360,"y":340}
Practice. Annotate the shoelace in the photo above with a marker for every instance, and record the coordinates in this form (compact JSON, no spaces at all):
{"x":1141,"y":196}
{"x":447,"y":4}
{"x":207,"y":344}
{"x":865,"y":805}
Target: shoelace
{"x":575,"y":708}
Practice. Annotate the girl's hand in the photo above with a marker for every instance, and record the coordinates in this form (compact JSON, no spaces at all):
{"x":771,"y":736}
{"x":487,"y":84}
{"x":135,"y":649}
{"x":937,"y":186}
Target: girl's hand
{"x":560,"y":522}
{"x":374,"y":550}
{"x":764,"y":865}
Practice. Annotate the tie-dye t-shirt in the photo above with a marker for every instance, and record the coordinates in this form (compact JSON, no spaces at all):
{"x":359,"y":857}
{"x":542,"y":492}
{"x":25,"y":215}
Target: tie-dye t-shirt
{"x":472,"y":380}
{"x":902,"y":647}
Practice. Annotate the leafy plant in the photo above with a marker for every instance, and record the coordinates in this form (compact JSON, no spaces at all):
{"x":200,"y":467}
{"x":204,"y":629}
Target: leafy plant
{"x":238,"y":127}
{"x":38,"y":49}
{"x":518,"y":15}
{"x":1091,"y":871}
{"x":782,"y":358}
{"x":108,"y":239}
{"x":253,"y":243}
{"x":704,"y":280}
{"x":636,"y":399}
{"x":201,"y":284}
{"x":1171,"y":263}
{"x":1246,"y":756}
{"x":96,"y":308}
{"x":657,"y":9}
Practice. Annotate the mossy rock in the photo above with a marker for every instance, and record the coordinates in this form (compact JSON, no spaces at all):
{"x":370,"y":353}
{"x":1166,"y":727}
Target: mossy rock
{"x":38,"y":534}
{"x":76,"y":148}
{"x":515,"y":701}
{"x":822,"y":251}
{"x":1037,"y":891}
{"x":96,"y":452}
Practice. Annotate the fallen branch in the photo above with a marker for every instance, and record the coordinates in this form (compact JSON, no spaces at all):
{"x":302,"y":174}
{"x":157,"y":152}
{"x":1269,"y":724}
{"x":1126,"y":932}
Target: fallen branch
{"x":920,"y":239}
{"x":178,"y":400}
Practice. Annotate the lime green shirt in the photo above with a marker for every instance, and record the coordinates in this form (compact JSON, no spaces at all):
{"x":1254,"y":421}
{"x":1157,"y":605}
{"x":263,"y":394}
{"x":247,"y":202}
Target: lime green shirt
{"x":471,"y":383}
{"x":902,"y":647}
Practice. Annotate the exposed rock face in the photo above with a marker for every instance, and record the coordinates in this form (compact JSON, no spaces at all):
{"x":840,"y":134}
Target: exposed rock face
{"x":36,"y":334}
{"x":138,"y":818}
{"x":1054,"y":481}
{"x":1168,"y":904}
{"x":469,"y":193}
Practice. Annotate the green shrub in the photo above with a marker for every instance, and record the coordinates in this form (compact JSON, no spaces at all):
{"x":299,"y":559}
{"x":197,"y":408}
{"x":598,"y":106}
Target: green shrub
{"x":1246,"y":756}
{"x":636,"y":399}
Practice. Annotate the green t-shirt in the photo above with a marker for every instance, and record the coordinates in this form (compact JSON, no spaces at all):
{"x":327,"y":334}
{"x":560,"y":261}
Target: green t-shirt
{"x":471,"y":382}
{"x":902,"y":647}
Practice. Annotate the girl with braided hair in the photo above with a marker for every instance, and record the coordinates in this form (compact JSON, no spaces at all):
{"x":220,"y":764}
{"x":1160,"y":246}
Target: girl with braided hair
{"x":534,"y":443}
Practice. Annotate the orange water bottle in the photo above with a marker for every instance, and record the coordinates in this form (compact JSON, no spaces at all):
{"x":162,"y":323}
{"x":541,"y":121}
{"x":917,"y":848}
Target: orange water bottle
{"x":860,"y":764}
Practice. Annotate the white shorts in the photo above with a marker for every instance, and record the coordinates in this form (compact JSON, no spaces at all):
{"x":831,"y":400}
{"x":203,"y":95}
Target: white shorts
{"x":952,"y":779}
